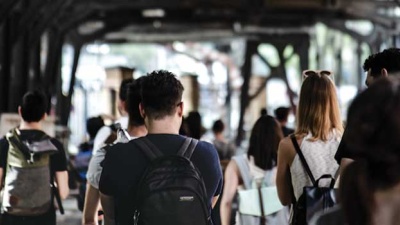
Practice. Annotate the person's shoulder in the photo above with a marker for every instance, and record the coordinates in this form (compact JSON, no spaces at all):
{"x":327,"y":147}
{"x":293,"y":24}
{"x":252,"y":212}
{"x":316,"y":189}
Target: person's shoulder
{"x":3,"y":144}
{"x":205,"y":146}
{"x":118,"y":148}
{"x":286,"y":147}
{"x":104,"y":131}
{"x":285,"y":143}
{"x":3,"y":140}
{"x":206,"y":150}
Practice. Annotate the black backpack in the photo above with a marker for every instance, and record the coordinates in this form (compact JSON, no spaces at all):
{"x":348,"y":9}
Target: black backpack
{"x":314,"y":198}
{"x":171,"y":190}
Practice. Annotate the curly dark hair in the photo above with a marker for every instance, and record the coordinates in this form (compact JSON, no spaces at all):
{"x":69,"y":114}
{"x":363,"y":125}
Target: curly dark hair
{"x":161,"y":93}
{"x":373,"y":131}
{"x":388,"y":59}
{"x":132,"y":102}
{"x":33,"y":106}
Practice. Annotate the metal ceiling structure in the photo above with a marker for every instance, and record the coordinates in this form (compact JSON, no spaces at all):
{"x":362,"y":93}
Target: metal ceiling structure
{"x":29,"y":26}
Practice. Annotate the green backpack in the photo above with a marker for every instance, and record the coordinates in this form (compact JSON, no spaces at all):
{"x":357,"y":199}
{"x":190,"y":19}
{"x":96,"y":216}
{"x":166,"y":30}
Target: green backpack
{"x":27,"y":189}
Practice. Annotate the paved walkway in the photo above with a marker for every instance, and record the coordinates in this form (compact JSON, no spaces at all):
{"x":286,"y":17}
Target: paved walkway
{"x":72,"y":215}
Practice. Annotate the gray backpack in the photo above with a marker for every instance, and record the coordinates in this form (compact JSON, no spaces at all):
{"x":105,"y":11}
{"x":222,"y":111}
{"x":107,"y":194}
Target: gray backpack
{"x":27,"y":189}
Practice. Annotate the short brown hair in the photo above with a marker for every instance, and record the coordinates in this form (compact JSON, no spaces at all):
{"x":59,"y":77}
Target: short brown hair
{"x":161,"y":92}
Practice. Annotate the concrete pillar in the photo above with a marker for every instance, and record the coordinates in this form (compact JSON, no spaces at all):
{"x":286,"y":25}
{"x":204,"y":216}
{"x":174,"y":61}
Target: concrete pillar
{"x":191,"y":94}
{"x":114,"y":76}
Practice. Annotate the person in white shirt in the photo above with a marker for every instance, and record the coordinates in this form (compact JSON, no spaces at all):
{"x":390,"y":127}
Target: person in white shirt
{"x":104,"y":133}
{"x":136,"y":128}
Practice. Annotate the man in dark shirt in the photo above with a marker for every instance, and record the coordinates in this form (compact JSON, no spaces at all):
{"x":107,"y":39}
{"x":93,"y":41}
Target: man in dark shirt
{"x":382,"y":64}
{"x":282,"y":114}
{"x":124,"y":164}
{"x":32,"y":111}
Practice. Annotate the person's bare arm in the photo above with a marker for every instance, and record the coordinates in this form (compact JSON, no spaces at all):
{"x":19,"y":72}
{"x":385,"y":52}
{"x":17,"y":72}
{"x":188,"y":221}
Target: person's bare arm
{"x":107,"y":203}
{"x":62,"y":183}
{"x":92,"y":200}
{"x":214,"y":201}
{"x":344,"y":162}
{"x":230,"y":188}
{"x":283,"y":181}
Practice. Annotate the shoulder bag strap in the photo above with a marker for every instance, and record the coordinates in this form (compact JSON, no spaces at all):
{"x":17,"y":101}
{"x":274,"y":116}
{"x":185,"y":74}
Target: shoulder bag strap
{"x":148,"y":148}
{"x":337,"y":173}
{"x":302,"y":159}
{"x":262,"y":218}
{"x":244,"y":170}
{"x":13,"y":138}
{"x":188,"y":147}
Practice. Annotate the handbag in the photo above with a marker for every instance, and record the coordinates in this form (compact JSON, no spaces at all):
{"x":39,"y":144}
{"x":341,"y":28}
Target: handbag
{"x":254,"y":201}
{"x":313,"y":198}
{"x":257,"y":201}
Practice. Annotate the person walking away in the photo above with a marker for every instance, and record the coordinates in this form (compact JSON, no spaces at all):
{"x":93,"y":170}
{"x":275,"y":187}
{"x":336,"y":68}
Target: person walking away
{"x":162,"y":110}
{"x":30,"y":163}
{"x":104,"y":135}
{"x":256,"y":168}
{"x":379,"y":65}
{"x":136,"y":128}
{"x":282,"y":114}
{"x":318,"y":133}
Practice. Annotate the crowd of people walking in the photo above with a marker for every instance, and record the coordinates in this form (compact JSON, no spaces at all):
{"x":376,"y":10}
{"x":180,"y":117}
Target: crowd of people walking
{"x":153,"y":167}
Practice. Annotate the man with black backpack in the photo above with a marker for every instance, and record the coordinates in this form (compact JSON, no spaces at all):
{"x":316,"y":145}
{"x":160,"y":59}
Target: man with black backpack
{"x":33,"y":168}
{"x":163,"y":178}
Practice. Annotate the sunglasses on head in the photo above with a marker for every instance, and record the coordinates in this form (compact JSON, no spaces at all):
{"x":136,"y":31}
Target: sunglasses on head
{"x":307,"y":73}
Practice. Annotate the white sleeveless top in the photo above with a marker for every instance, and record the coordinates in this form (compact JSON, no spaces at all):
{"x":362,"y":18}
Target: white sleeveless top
{"x":320,"y":158}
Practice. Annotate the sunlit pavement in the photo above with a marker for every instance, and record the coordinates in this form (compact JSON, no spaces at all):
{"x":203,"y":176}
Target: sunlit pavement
{"x":72,"y":215}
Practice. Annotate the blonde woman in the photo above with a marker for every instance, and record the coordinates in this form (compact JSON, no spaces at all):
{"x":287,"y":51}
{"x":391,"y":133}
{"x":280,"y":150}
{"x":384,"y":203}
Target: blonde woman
{"x":318,"y":133}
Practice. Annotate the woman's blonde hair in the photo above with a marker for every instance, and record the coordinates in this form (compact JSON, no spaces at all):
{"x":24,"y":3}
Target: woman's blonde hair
{"x":318,"y":110}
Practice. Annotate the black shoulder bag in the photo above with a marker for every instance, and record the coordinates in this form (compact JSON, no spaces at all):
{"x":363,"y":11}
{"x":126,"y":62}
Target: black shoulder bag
{"x":314,"y":198}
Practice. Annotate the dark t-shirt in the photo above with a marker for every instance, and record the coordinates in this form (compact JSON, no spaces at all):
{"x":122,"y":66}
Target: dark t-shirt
{"x":58,"y":162}
{"x":343,"y":150}
{"x":124,"y":166}
{"x":287,"y":131}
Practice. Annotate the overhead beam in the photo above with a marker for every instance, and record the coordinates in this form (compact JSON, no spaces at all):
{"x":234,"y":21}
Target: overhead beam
{"x":6,"y":8}
{"x":53,"y":10}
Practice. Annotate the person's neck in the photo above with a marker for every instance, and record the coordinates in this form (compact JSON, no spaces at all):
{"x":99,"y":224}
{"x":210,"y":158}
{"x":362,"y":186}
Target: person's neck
{"x":30,"y":125}
{"x":137,"y":131}
{"x":167,"y":125}
{"x":219,"y":136}
{"x":283,"y":123}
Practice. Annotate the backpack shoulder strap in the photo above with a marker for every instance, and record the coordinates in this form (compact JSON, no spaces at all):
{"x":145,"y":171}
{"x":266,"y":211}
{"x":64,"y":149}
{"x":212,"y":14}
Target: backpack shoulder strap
{"x":187,"y":148}
{"x":302,"y":159}
{"x":244,"y":170}
{"x":14,"y":140}
{"x":148,"y":148}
